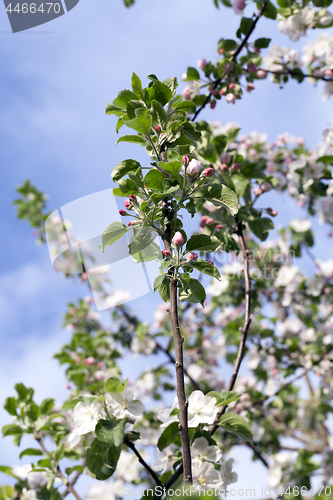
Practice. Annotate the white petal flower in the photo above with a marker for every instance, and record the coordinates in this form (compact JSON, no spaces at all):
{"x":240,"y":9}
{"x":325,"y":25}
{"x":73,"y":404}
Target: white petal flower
{"x":85,"y":417}
{"x":165,"y":460}
{"x":274,"y":476}
{"x":28,"y":494}
{"x":296,"y":25}
{"x":286,"y":275}
{"x":201,"y":409}
{"x":299,"y":225}
{"x":106,"y":490}
{"x":218,"y":287}
{"x":37,"y":480}
{"x":201,"y":452}
{"x":228,"y":477}
{"x":205,"y":476}
{"x":325,"y":268}
{"x":164,"y":414}
{"x":21,"y":471}
{"x":123,"y":405}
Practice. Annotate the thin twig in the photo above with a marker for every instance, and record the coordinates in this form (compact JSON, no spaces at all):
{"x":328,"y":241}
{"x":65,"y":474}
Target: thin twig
{"x":292,"y":72}
{"x":72,"y":482}
{"x":143,"y":462}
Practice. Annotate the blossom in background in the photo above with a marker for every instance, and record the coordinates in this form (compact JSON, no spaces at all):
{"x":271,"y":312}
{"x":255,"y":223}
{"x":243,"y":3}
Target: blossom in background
{"x":28,"y":494}
{"x":164,"y":414}
{"x":106,"y":490}
{"x":202,"y":451}
{"x":299,"y":225}
{"x":165,"y":460}
{"x":201,"y":409}
{"x":127,"y":467}
{"x":296,"y":25}
{"x":325,"y":268}
{"x":205,"y":476}
{"x":123,"y":405}
{"x":144,"y":346}
{"x":217,"y":287}
{"x":286,"y":275}
{"x":227,"y":475}
{"x":21,"y":471}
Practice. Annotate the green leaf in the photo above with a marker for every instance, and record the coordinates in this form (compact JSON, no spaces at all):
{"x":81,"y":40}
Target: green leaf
{"x":262,"y":43}
{"x":232,"y":422}
{"x":224,"y":398}
{"x":122,"y":100}
{"x":325,"y":159}
{"x":120,"y":123}
{"x":11,"y":430}
{"x":172,"y":167}
{"x":219,"y":194}
{"x":71,"y":403}
{"x":31,"y":452}
{"x":124,"y":167}
{"x":7,"y":492}
{"x":142,"y":122}
{"x":10,"y":406}
{"x":150,"y":252}
{"x":192,"y":292}
{"x":270,"y":10}
{"x":245,"y":25}
{"x":6,"y":470}
{"x":113,"y":384}
{"x":202,"y":243}
{"x":190,"y":131}
{"x":159,"y":114}
{"x":154,"y":180}
{"x":76,"y":468}
{"x":261,"y":227}
{"x":227,"y":45}
{"x":137,"y":86}
{"x":192,"y":74}
{"x":24,"y":393}
{"x":136,"y":139}
{"x":240,"y":183}
{"x":205,"y":267}
{"x":128,"y":186}
{"x":102,"y":459}
{"x":111,"y":431}
{"x":164,"y":289}
{"x":168,"y":436}
{"x":157,"y":281}
{"x":111,"y":109}
{"x":187,"y":106}
{"x":46,"y":406}
{"x":112,"y":233}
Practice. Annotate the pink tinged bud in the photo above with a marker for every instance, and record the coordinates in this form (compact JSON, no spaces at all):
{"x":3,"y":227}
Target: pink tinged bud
{"x":213,"y":92}
{"x":232,"y":86}
{"x":261,"y":74}
{"x":328,"y":72}
{"x":300,"y":141}
{"x":208,"y":172}
{"x":257,"y":192}
{"x":225,"y":157}
{"x":158,"y":129}
{"x":265,"y":187}
{"x":212,"y":104}
{"x":84,"y":276}
{"x":223,"y":92}
{"x":68,"y":386}
{"x":192,"y":256}
{"x":100,"y":364}
{"x":235,"y":166}
{"x":318,"y":72}
{"x":186,"y":160}
{"x":240,"y":5}
{"x":131,"y":223}
{"x":122,"y":212}
{"x":272,"y":213}
{"x":275,"y":371}
{"x":230,"y":98}
{"x":132,"y":198}
{"x":166,"y":253}
{"x":194,"y":167}
{"x":178,"y":239}
{"x":224,"y":167}
{"x":210,"y":262}
{"x":251,"y":68}
{"x":201,"y":63}
{"x":210,"y":221}
{"x":218,"y":226}
{"x":89,"y":361}
{"x":221,"y":51}
{"x":186,"y":94}
{"x":127,"y":203}
{"x":204,"y":218}
{"x":250,"y":87}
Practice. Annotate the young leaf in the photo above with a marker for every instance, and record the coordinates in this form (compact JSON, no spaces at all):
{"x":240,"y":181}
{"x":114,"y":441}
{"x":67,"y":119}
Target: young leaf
{"x":168,"y":436}
{"x":172,"y":167}
{"x":154,"y":180}
{"x":205,"y":267}
{"x":136,"y":139}
{"x":232,"y":422}
{"x":31,"y":452}
{"x":111,"y":431}
{"x":112,"y":233}
{"x":122,"y":100}
{"x":102,"y":459}
{"x":137,"y":86}
{"x":124,"y":167}
{"x":219,"y":194}
{"x":113,"y":384}
{"x":261,"y":227}
{"x":192,"y":292}
{"x":164,"y":289}
{"x":203,"y":243}
{"x":224,"y":398}
{"x":142,"y":122}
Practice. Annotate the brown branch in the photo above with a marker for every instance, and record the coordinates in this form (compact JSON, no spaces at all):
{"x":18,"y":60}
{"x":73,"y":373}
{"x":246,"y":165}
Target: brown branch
{"x":72,"y":482}
{"x":288,"y":71}
{"x":235,"y":55}
{"x":143,"y":462}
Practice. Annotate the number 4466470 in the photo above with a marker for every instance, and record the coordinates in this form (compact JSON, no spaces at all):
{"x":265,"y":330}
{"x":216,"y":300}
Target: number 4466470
{"x":31,"y":8}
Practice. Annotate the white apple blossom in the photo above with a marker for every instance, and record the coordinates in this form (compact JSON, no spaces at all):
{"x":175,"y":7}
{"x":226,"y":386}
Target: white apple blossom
{"x":28,"y":494}
{"x":227,"y":475}
{"x":123,"y":404}
{"x":286,"y":275}
{"x":325,"y":268}
{"x":205,"y":476}
{"x":21,"y":471}
{"x":296,"y":25}
{"x":127,"y":466}
{"x":106,"y":490}
{"x":164,"y":414}
{"x":202,"y":451}
{"x":299,"y":225}
{"x":144,"y":346}
{"x":325,"y":209}
{"x":85,"y":417}
{"x":216,"y":288}
{"x":274,"y":476}
{"x":164,"y":461}
{"x":36,"y":480}
{"x":201,"y":409}
{"x":254,"y":358}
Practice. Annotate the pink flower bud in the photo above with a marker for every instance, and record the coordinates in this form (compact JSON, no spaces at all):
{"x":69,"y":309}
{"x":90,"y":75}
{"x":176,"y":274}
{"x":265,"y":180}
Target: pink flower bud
{"x":99,"y":375}
{"x":131,"y":223}
{"x":224,"y":167}
{"x":265,"y":187}
{"x":166,"y":253}
{"x":257,"y":192}
{"x":201,"y":63}
{"x":186,"y":94}
{"x":186,"y":160}
{"x":122,"y":212}
{"x":232,"y":86}
{"x":210,"y":262}
{"x":192,"y":256}
{"x":132,"y":198}
{"x":210,"y":221}
{"x":158,"y":129}
{"x":272,"y":213}
{"x":222,"y":92}
{"x":212,"y":104}
{"x":225,"y":157}
{"x":235,"y":166}
{"x":230,"y":98}
{"x":178,"y":239}
{"x":239,"y":5}
{"x":300,"y":141}
{"x":208,"y":172}
{"x":250,"y":87}
{"x":251,"y":68}
{"x":221,"y":51}
{"x":68,"y":386}
{"x":328,"y":72}
{"x":194,"y":167}
{"x":89,"y":361}
{"x":261,"y":74}
{"x":84,"y":276}
{"x":100,"y":364}
{"x":127,"y":203}
{"x":218,"y":226}
{"x":204,"y":218}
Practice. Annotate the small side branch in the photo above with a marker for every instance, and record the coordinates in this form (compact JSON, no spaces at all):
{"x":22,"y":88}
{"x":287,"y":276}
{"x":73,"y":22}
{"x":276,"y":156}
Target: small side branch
{"x":143,"y":462}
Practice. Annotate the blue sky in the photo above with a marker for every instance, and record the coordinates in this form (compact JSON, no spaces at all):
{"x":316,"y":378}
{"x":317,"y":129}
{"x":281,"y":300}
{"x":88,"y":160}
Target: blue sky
{"x":53,"y":93}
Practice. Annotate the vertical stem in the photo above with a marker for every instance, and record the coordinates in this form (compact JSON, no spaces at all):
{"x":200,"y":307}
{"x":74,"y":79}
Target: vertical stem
{"x":179,"y":364}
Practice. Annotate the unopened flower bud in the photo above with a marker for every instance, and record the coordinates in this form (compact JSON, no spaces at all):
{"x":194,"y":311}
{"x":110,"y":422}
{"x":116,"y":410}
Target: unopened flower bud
{"x":251,"y":68}
{"x":239,"y":5}
{"x":272,"y":213}
{"x":235,"y":166}
{"x":166,"y":253}
{"x":257,"y":191}
{"x":127,"y":203}
{"x":265,"y":187}
{"x":328,"y":72}
{"x":223,"y":92}
{"x":210,"y":221}
{"x":261,"y":74}
{"x":122,"y":212}
{"x":186,"y":94}
{"x":212,"y":104}
{"x":158,"y":129}
{"x":89,"y":361}
{"x":208,"y":172}
{"x":186,"y":160}
{"x":250,"y":87}
{"x":192,"y":256}
{"x":210,"y":262}
{"x":224,"y":167}
{"x":178,"y":239}
{"x":218,"y":226}
{"x":232,"y":86}
{"x":132,"y":198}
{"x":194,"y":167}
{"x":221,"y":51}
{"x":230,"y":98}
{"x":201,"y":63}
{"x":225,"y":157}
